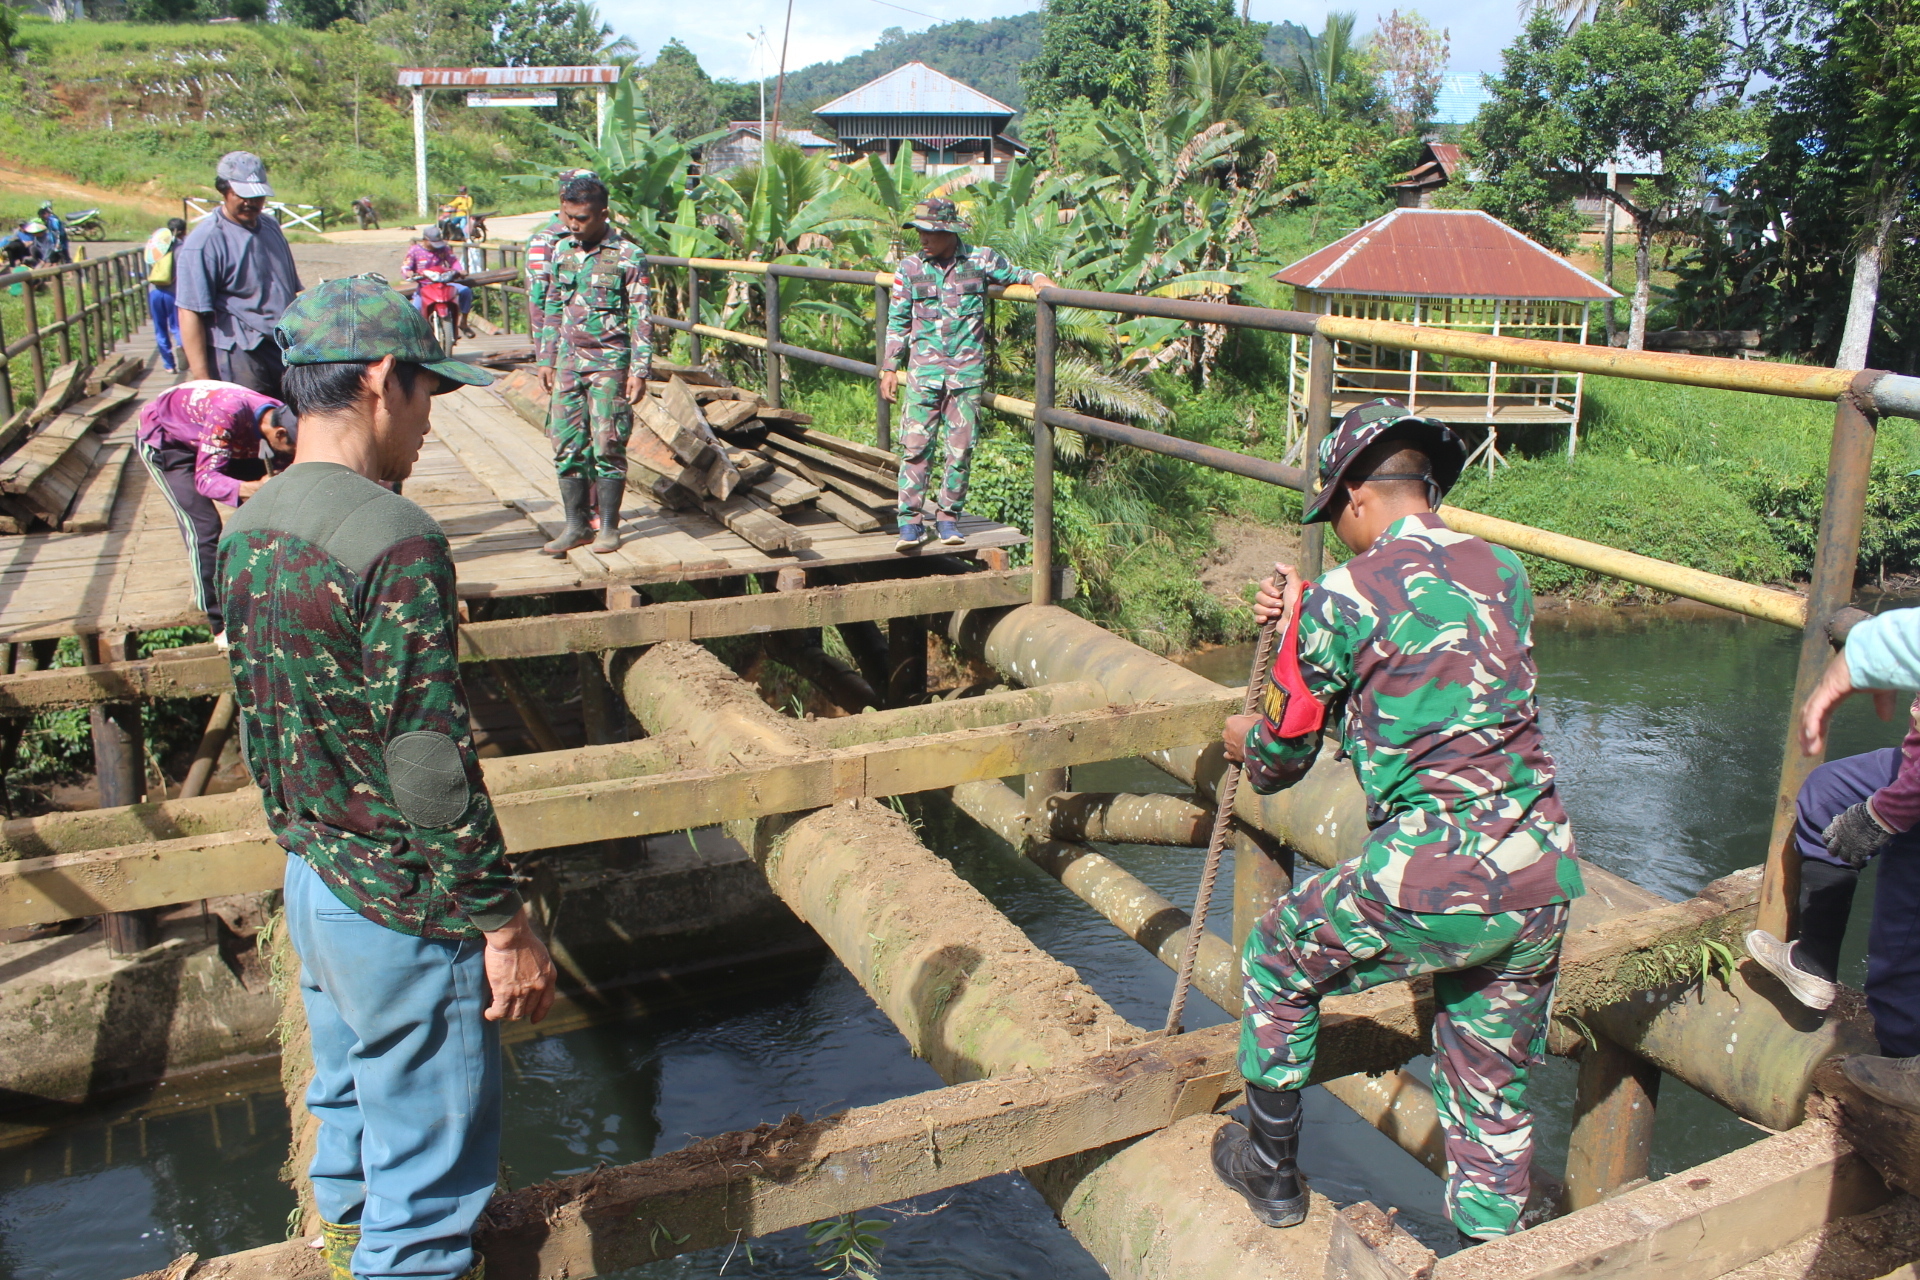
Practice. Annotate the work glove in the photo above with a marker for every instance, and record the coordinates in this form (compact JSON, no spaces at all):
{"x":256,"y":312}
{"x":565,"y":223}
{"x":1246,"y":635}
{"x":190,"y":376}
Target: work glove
{"x":1855,"y":835}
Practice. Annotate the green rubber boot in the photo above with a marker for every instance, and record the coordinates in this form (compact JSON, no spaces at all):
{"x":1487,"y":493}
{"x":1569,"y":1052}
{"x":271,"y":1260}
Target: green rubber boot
{"x":337,"y":1243}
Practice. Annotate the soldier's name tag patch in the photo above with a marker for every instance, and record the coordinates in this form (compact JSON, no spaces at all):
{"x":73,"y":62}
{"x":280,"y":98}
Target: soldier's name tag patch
{"x":1274,"y":705}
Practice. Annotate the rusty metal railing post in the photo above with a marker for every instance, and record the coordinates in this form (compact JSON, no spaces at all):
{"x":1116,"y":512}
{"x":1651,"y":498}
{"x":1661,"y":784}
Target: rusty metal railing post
{"x":1611,"y":1145}
{"x":693,"y":311}
{"x":1046,"y":341}
{"x":1836,"y":556}
{"x":770,"y":287}
{"x":32,"y":336}
{"x":882,"y":407}
{"x":1313,"y":537}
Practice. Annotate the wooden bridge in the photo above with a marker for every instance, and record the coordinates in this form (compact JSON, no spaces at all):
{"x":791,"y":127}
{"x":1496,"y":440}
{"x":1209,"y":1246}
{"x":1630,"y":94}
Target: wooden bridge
{"x":1110,"y":1122}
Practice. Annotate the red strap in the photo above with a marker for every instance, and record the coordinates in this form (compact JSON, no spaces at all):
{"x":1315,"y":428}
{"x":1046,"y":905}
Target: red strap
{"x":1288,"y":703}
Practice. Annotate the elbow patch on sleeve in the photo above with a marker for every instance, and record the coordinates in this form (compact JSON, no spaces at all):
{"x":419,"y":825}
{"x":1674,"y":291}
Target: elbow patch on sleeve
{"x":428,"y":778}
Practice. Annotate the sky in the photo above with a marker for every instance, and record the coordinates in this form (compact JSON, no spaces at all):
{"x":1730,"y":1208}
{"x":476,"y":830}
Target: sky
{"x":828,"y":30}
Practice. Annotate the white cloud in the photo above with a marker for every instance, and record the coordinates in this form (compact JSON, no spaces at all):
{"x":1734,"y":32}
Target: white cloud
{"x":827,"y":32}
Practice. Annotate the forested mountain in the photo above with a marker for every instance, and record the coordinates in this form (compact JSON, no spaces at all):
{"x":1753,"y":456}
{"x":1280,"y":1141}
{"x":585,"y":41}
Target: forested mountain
{"x":987,"y":55}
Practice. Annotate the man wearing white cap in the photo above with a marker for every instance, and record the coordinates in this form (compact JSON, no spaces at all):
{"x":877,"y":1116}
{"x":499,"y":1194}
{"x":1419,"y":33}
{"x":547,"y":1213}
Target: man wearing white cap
{"x":234,"y":277}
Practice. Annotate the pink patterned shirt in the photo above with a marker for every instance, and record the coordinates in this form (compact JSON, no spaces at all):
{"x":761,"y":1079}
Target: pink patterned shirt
{"x":219,"y":420}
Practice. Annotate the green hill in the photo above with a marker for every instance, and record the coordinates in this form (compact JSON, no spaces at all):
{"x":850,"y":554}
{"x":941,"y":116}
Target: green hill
{"x":987,"y":55}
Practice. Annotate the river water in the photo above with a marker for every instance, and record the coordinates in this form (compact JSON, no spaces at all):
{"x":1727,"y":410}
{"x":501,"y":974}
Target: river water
{"x":1667,"y":732}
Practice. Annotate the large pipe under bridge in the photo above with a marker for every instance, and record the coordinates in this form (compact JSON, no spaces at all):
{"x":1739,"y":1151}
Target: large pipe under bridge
{"x":1046,"y":1077}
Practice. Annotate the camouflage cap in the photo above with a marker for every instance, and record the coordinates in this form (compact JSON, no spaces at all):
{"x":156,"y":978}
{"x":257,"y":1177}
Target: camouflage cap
{"x":1365,"y":424}
{"x":365,"y":318}
{"x":937,"y":214}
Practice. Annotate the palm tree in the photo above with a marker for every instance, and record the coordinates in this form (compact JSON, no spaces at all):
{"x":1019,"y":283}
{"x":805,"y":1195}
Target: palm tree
{"x":1222,"y":84}
{"x":1334,"y":64}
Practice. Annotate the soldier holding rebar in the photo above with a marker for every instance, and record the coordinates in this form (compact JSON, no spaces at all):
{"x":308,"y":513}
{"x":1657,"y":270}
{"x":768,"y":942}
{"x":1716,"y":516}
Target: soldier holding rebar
{"x":937,"y":324}
{"x":1421,"y":646}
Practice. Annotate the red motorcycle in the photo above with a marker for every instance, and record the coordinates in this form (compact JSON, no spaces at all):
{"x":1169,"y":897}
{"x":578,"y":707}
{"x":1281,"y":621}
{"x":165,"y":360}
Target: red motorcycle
{"x":440,"y":303}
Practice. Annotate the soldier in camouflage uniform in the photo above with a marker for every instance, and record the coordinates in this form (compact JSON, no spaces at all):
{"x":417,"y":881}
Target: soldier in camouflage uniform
{"x":399,"y":900}
{"x":540,"y":249}
{"x":595,"y":352}
{"x":937,"y":322}
{"x":1421,"y":645}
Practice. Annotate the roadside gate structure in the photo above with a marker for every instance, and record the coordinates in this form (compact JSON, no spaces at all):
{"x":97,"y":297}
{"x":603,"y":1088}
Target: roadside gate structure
{"x":1109,"y":1121}
{"x":423,"y":80}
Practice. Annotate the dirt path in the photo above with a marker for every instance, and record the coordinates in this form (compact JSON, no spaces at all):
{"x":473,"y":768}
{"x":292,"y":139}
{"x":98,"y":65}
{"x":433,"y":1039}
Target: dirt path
{"x":1246,"y":554}
{"x":26,"y":180}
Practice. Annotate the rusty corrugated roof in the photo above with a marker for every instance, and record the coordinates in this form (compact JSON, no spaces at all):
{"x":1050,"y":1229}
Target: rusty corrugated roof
{"x":915,"y":89}
{"x":506,"y":77}
{"x":1442,"y":253}
{"x":1448,"y":154}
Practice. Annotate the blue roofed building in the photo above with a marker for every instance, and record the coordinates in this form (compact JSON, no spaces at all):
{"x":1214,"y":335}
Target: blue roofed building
{"x":1460,"y":99}
{"x":951,"y":126}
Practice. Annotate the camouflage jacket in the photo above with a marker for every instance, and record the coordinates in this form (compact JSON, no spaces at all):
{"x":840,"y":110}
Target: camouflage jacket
{"x":1424,"y":641}
{"x":540,"y":248}
{"x":937,"y":315}
{"x":340,"y":606}
{"x":597,"y":317}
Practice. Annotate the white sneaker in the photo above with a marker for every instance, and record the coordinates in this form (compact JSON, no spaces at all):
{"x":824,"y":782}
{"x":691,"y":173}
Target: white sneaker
{"x":1776,"y":957}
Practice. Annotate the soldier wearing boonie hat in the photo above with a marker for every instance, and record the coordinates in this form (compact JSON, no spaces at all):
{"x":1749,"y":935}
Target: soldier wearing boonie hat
{"x":399,"y":900}
{"x":1421,"y":646}
{"x":936,"y":322}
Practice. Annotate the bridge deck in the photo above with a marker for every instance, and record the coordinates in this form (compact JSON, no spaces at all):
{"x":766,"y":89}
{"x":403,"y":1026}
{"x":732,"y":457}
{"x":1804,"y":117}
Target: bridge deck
{"x":484,"y":474}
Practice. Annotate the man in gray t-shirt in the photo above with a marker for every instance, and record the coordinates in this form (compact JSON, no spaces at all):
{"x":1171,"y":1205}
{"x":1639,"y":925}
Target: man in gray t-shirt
{"x":234,"y":277}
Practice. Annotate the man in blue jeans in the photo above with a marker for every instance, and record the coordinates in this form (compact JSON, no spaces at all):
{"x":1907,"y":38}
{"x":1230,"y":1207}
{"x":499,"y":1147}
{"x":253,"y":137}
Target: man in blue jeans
{"x":413,"y":940}
{"x":1851,"y":811}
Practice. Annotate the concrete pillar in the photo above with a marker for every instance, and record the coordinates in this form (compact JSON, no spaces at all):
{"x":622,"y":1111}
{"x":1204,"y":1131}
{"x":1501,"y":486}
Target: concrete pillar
{"x":420,"y":149}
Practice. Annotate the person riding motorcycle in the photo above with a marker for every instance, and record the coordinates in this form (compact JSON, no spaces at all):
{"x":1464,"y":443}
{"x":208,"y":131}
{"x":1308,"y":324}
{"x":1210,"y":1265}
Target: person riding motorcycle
{"x":434,"y":259}
{"x":369,"y":217}
{"x":461,"y":207}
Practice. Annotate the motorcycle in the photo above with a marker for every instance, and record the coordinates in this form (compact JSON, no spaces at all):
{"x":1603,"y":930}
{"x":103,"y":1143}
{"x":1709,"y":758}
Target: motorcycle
{"x":440,"y":303}
{"x":369,"y":219}
{"x":473,"y":232}
{"x":87,"y":224}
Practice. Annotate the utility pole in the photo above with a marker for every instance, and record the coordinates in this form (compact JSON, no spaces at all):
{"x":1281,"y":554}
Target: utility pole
{"x":780,"y":88}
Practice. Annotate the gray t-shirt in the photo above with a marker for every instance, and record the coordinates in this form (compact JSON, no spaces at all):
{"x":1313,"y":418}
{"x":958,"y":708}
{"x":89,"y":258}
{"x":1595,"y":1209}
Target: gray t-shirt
{"x":245,"y":278}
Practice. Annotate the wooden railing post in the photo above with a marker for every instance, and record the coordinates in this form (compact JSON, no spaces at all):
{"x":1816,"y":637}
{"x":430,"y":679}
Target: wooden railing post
{"x":770,"y":287}
{"x":693,"y":314}
{"x":32,"y":336}
{"x":1611,"y":1145}
{"x":1836,"y":556}
{"x":6,"y":375}
{"x":118,"y":767}
{"x":882,"y":407}
{"x":1313,"y":537}
{"x":59,"y":281}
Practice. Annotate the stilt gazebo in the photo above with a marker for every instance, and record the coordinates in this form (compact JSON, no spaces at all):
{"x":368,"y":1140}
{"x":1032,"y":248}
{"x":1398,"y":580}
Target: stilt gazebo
{"x":1450,"y":269}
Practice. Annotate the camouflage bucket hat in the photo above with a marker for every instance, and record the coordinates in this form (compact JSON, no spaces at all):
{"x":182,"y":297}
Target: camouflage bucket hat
{"x":1365,"y":424}
{"x":937,"y":214}
{"x":364,"y":318}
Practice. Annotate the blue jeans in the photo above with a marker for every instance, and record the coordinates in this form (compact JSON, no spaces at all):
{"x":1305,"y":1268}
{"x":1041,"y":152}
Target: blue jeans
{"x":166,"y":323}
{"x":1893,"y":941}
{"x":406,"y":1084}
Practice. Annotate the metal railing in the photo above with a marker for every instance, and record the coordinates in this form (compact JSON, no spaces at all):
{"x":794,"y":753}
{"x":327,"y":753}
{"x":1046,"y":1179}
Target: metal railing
{"x":107,"y":304}
{"x":1859,"y":398}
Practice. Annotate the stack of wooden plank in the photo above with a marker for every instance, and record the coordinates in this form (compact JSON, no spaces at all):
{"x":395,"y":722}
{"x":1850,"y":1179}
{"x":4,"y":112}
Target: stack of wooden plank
{"x":702,"y":444}
{"x":66,"y":453}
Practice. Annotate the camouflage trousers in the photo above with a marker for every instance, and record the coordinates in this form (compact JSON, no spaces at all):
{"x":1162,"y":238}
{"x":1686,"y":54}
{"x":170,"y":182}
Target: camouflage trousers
{"x":1492,"y":993}
{"x":936,"y":418}
{"x":589,"y":422}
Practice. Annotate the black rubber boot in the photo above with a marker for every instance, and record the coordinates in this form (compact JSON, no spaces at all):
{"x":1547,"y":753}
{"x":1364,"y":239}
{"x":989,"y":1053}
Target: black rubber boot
{"x":1261,"y":1161}
{"x":574,"y":491}
{"x":610,"y":492}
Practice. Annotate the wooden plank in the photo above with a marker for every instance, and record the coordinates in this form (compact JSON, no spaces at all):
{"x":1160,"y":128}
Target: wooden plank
{"x":198,"y":673}
{"x":877,"y":458}
{"x":680,"y":434}
{"x":758,"y":526}
{"x":821,"y":458}
{"x":725,"y":415}
{"x":769,"y":1178}
{"x":131,"y":877}
{"x":855,"y":517}
{"x":1696,"y":1225}
{"x":51,"y":443}
{"x":793,"y":416}
{"x":785,"y":490}
{"x":691,"y":374}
